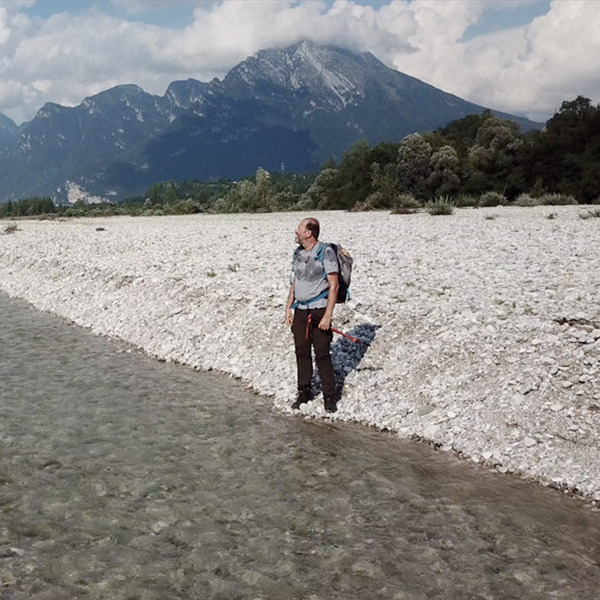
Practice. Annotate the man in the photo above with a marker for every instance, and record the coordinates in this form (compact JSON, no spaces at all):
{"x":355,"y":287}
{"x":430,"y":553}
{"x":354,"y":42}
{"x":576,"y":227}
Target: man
{"x":312,"y":297}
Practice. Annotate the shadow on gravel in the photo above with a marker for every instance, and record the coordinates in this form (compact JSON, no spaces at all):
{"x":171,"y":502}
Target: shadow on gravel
{"x":347,"y":354}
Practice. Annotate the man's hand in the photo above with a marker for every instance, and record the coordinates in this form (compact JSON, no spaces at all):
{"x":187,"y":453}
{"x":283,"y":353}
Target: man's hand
{"x":325,"y":322}
{"x":289,"y":316}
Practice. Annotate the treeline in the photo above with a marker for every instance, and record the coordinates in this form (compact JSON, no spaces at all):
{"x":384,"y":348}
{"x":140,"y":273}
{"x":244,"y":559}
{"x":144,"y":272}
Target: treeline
{"x":477,"y":160}
{"x":28,"y":207}
{"x":478,"y":156}
{"x":264,"y":192}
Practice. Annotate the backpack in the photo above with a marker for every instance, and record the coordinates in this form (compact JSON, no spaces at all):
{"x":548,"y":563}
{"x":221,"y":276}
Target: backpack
{"x":344,"y":261}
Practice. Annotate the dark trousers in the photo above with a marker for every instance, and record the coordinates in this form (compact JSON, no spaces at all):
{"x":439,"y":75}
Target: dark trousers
{"x":321,"y":341}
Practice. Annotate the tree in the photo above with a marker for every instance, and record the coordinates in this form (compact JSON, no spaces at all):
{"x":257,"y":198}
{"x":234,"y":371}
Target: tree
{"x":354,"y":184}
{"x":569,"y":123}
{"x":445,"y":172}
{"x":385,"y":186}
{"x":461,"y":134}
{"x":8,"y":208}
{"x":319,"y":194}
{"x":263,"y":189}
{"x":247,"y":198}
{"x":170,"y":195}
{"x":494,"y":155}
{"x":565,"y":156}
{"x":413,"y":166}
{"x":154,"y":197}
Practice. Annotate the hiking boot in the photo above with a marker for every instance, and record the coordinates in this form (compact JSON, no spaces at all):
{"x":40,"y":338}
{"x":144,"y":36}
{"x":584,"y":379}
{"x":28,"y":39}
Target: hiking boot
{"x":330,"y":404}
{"x":304,"y":396}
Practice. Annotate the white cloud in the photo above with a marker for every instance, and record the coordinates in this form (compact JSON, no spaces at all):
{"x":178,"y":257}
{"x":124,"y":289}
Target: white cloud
{"x":560,"y":59}
{"x":530,"y":70}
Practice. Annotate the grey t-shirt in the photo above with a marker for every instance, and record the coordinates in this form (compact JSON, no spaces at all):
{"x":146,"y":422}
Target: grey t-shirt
{"x":309,"y":279}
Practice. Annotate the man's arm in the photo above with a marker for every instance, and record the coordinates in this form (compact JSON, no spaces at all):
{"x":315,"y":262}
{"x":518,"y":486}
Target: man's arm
{"x":325,"y":322}
{"x":289,"y":316}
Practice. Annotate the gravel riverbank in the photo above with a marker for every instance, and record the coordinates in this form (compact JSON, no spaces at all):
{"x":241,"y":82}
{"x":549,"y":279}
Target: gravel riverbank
{"x":484,"y":325}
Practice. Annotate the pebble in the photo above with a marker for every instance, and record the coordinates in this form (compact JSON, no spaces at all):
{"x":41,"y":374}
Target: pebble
{"x":443,"y":367}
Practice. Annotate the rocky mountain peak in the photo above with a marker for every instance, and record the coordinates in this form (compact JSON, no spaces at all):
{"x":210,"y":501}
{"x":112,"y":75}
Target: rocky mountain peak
{"x":7,"y":125}
{"x":331,"y":76}
{"x":121,"y":94}
{"x":185,"y":93}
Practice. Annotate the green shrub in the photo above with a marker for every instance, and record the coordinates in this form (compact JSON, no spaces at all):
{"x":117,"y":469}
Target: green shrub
{"x":407,"y":201}
{"x":527,"y":201}
{"x":185,"y":207}
{"x":405,"y":204}
{"x":74,"y":212}
{"x":557,"y":199}
{"x":374,"y":200}
{"x":492,"y":199}
{"x":466,"y":200}
{"x":441,"y":206}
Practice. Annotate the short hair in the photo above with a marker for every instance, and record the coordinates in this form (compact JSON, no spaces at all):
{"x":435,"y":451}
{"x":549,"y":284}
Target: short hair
{"x":313,"y":226}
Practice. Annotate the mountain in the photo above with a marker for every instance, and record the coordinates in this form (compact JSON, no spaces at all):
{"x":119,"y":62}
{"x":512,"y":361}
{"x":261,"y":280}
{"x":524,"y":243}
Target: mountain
{"x":291,"y":108}
{"x":8,"y":132}
{"x":63,"y":143}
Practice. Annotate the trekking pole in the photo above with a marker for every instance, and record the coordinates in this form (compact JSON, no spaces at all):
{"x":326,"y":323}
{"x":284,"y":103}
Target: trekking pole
{"x":352,"y":339}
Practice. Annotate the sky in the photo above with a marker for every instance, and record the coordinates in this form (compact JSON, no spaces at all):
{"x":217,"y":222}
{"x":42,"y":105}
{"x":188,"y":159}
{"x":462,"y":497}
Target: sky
{"x":524,"y":57}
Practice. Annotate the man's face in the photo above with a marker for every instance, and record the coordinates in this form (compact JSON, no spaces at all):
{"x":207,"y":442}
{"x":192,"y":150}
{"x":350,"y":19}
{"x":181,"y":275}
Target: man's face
{"x":301,"y":231}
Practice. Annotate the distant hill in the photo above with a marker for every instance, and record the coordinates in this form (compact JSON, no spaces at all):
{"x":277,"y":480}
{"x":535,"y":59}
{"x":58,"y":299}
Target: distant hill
{"x":288,"y":109}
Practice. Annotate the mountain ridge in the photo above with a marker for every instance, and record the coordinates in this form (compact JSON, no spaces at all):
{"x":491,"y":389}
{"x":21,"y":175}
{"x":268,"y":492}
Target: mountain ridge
{"x":289,"y":108}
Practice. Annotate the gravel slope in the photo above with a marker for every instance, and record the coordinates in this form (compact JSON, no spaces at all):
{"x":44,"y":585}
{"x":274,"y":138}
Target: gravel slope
{"x":485,"y":325}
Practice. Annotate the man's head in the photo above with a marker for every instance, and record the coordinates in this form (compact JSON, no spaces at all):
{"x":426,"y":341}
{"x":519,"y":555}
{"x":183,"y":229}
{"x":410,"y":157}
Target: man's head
{"x":307,"y":232}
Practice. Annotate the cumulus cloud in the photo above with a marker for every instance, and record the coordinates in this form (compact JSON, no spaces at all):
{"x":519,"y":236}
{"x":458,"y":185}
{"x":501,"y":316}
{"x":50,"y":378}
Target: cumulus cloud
{"x":529,"y":70}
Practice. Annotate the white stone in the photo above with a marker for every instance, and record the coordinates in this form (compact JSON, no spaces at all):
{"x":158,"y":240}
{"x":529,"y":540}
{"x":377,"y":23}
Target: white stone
{"x":434,"y":357}
{"x":430,"y":431}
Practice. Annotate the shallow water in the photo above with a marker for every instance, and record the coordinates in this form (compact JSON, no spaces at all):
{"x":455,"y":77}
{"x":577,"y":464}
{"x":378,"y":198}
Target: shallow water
{"x":125,"y":478}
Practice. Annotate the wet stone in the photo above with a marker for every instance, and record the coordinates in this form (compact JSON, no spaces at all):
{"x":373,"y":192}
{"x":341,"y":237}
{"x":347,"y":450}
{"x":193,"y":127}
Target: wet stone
{"x":165,"y":483}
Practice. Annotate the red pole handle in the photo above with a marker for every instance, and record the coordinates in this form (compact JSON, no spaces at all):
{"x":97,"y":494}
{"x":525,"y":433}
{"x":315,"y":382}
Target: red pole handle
{"x":352,"y":339}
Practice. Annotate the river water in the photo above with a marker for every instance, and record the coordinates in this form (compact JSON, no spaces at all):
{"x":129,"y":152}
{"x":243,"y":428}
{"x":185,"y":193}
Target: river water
{"x":125,"y":478}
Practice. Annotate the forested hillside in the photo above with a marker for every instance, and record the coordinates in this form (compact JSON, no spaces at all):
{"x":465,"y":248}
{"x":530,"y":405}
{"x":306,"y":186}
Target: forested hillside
{"x":477,"y":160}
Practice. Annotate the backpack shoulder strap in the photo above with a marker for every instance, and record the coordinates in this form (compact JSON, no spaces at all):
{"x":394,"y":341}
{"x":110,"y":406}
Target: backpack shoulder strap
{"x":320,"y":255}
